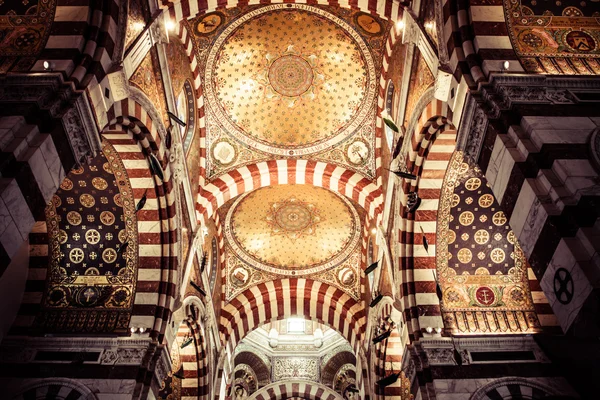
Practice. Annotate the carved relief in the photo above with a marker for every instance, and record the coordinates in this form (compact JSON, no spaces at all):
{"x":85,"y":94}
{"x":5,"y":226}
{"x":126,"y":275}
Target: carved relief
{"x":296,"y":368}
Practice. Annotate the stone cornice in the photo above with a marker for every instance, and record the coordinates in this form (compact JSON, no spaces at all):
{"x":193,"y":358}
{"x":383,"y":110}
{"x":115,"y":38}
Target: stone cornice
{"x":113,"y":351}
{"x":444,"y":350}
{"x":51,"y":93}
{"x":503,"y":91}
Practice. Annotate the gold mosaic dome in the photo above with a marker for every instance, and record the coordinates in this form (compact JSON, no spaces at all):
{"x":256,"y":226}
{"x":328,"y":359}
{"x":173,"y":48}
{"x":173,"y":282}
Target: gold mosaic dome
{"x":292,"y":229}
{"x":290,"y":83}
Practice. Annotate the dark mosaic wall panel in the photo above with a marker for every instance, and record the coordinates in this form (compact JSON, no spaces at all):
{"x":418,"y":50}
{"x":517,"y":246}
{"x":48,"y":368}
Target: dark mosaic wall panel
{"x":482,"y":269}
{"x":24,"y":29}
{"x":555,"y":37}
{"x":92,"y":232}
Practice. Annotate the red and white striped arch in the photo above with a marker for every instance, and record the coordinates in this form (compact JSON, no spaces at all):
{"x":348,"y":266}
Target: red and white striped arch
{"x":194,"y":360}
{"x":295,"y":390}
{"x":430,"y":150}
{"x":387,"y":354}
{"x":134,"y":135}
{"x":280,"y":172}
{"x":284,"y":298}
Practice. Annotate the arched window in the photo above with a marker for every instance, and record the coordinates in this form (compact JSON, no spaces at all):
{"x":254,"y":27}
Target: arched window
{"x":186,"y":112}
{"x":389,"y":101}
{"x":370,"y":261}
{"x":214,"y":260}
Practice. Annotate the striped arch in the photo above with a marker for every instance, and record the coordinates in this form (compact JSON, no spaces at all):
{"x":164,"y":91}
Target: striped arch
{"x":387,"y":354}
{"x":295,"y":389}
{"x":184,"y":9}
{"x":194,"y":360}
{"x":430,"y":149}
{"x":514,"y":387}
{"x":281,"y":172}
{"x":85,"y":40}
{"x":134,"y":135}
{"x":283,"y":298}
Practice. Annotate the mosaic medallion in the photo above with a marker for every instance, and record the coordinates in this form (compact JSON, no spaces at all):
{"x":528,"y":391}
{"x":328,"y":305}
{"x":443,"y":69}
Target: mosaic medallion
{"x":290,"y":83}
{"x":290,"y":75}
{"x":224,"y":153}
{"x":291,"y":230}
{"x":555,"y":37}
{"x":368,"y":24}
{"x":293,"y":218}
{"x":209,"y":23}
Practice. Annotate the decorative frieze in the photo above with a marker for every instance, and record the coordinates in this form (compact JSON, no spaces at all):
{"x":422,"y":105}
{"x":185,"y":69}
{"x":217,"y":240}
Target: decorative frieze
{"x":457,"y":351}
{"x":286,"y":368}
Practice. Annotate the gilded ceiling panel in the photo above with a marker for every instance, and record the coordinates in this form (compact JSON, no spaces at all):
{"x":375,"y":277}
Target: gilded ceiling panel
{"x":420,"y":81}
{"x":148,"y":79}
{"x":92,"y":233}
{"x":292,"y":230}
{"x":137,"y":15}
{"x":24,"y":29}
{"x":290,"y":80}
{"x":555,"y":37}
{"x":482,"y":269}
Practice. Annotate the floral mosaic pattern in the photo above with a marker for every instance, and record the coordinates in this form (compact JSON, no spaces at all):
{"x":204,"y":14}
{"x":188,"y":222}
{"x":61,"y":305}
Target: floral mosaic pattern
{"x":555,"y":37}
{"x":24,"y":29}
{"x":253,"y":118}
{"x":92,"y":233}
{"x":292,"y":230}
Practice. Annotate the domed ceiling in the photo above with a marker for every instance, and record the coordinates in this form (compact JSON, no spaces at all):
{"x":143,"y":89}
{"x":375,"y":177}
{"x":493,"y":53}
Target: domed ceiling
{"x":292,"y":230}
{"x":289,"y":80}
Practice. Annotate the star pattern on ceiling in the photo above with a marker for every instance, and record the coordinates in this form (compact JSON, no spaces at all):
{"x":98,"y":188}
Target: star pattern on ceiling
{"x":290,"y":80}
{"x":290,"y":77}
{"x":293,"y":218}
{"x":292,"y":230}
{"x":274,"y":229}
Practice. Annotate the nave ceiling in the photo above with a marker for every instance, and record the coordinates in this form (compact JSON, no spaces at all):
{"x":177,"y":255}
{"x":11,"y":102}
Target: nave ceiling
{"x":290,"y":81}
{"x":266,"y":194}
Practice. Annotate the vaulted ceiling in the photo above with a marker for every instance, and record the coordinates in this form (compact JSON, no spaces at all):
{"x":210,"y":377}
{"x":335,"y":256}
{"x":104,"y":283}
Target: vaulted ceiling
{"x":290,"y":82}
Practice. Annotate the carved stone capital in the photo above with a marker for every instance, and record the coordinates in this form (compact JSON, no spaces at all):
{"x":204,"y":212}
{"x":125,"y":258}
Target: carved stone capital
{"x":163,"y":365}
{"x":81,"y":130}
{"x":176,"y":160}
{"x":504,"y":91}
{"x":471,"y":133}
